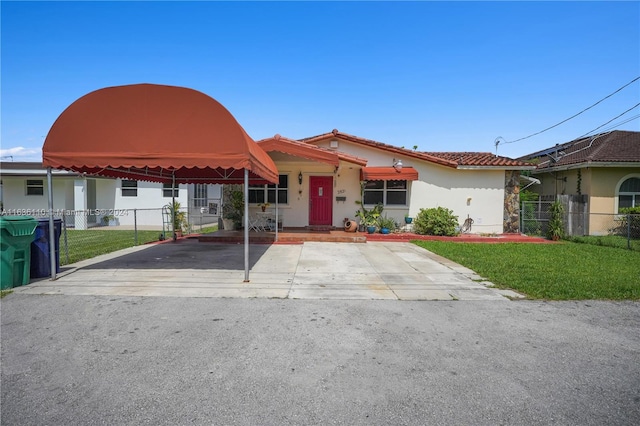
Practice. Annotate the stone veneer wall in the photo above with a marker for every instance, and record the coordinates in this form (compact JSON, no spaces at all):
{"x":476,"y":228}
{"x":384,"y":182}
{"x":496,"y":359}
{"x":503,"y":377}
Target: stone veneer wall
{"x":511,"y":220}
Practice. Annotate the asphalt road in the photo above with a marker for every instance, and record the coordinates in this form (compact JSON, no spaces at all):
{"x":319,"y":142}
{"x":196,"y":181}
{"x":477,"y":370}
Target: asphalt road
{"x":94,"y":360}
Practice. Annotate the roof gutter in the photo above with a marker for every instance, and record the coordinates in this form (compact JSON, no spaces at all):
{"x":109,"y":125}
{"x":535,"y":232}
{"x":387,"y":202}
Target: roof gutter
{"x":585,"y":165}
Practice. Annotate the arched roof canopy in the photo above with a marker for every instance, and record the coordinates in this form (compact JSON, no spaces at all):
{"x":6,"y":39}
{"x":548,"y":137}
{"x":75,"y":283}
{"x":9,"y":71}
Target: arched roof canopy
{"x":155,"y":133}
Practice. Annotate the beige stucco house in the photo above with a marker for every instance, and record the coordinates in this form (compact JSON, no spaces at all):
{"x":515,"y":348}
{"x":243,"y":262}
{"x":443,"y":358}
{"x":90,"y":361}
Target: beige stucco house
{"x":604,"y":169}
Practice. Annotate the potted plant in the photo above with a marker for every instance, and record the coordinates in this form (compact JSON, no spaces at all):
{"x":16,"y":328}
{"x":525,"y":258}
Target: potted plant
{"x":264,"y":206}
{"x":407,"y":219}
{"x":233,"y":207}
{"x":369,"y":217}
{"x":179,"y":218}
{"x":109,"y":220}
{"x":386,"y":224}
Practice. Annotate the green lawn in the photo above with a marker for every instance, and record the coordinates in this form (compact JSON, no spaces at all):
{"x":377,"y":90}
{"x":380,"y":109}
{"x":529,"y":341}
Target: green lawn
{"x":93,"y":242}
{"x":564,"y":271}
{"x":607,"y":240}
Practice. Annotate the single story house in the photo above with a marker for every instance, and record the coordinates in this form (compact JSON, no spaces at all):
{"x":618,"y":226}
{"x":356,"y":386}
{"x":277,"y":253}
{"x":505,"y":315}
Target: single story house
{"x":322,"y":177}
{"x":86,"y":200}
{"x":603,"y":170}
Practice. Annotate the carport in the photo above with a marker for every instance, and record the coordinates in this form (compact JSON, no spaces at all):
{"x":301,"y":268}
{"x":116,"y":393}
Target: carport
{"x":155,"y":133}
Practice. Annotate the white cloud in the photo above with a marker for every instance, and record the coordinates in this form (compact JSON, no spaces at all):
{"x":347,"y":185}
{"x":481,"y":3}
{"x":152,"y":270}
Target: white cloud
{"x":20,"y":153}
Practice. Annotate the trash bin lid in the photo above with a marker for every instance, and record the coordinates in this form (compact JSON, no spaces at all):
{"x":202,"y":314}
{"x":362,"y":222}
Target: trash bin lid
{"x":18,"y":226}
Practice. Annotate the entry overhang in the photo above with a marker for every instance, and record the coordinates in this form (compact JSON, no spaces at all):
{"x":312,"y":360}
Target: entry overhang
{"x":388,"y":173}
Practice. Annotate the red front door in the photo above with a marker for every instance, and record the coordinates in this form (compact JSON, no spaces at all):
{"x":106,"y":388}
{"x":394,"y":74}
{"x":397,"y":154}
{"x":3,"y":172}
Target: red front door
{"x":320,"y":200}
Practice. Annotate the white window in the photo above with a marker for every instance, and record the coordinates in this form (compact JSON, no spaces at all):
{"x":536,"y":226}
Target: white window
{"x":166,"y":191}
{"x":629,"y":193}
{"x":259,"y":193}
{"x":35,"y":187}
{"x":387,"y":192}
{"x":200,"y":195}
{"x":129,"y":188}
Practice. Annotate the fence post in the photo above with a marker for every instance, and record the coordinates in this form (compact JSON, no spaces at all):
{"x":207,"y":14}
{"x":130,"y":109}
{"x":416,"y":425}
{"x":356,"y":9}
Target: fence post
{"x":629,"y":231}
{"x":135,"y":226}
{"x":66,"y":242}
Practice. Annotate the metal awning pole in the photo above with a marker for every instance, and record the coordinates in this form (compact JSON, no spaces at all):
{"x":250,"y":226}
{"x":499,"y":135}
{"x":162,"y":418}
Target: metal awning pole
{"x":52,"y":233}
{"x":173,"y":205}
{"x":276,"y":212}
{"x":246,"y":226}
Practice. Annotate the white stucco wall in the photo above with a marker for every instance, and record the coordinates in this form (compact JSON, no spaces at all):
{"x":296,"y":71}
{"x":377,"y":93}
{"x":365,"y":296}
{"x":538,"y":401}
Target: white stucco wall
{"x":14,"y":196}
{"x":478,"y":194}
{"x":440,"y":186}
{"x":148,"y":202}
{"x":70,"y":194}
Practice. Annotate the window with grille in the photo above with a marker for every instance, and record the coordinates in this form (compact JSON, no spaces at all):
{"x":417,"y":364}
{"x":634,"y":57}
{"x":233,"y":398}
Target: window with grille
{"x":200,"y":195}
{"x":259,"y":194}
{"x":35,"y":187}
{"x":167,"y":191}
{"x":387,"y":192}
{"x":629,"y":193}
{"x":129,"y":188}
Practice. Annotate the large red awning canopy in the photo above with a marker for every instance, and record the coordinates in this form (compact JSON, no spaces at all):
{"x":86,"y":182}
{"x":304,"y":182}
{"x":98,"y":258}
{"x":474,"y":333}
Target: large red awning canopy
{"x":155,"y":133}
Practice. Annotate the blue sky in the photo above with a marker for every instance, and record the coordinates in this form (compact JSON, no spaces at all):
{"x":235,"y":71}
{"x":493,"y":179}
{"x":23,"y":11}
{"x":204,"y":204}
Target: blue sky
{"x":445,"y":76}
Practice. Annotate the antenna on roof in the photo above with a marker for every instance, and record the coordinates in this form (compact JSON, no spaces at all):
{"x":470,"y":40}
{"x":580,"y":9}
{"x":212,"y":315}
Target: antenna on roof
{"x":497,"y":142}
{"x":7,"y":156}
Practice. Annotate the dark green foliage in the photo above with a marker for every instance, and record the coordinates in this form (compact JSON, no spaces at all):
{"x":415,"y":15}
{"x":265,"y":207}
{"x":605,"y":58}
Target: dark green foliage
{"x":369,"y":217}
{"x":233,"y":207}
{"x":629,"y":223}
{"x":527,"y":195}
{"x":436,"y":221}
{"x":386,"y":222}
{"x":556,"y":222}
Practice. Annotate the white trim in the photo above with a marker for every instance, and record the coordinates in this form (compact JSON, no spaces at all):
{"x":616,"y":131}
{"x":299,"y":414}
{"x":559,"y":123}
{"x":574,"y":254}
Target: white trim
{"x":616,"y":198}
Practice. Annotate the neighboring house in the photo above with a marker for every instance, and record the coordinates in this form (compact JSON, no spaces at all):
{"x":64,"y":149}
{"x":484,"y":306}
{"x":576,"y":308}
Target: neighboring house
{"x":604,"y":169}
{"x":87,"y":200}
{"x":320,"y":182}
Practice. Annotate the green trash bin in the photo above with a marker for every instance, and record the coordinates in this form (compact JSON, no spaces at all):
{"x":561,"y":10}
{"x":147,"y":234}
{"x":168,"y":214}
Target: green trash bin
{"x":16,"y":235}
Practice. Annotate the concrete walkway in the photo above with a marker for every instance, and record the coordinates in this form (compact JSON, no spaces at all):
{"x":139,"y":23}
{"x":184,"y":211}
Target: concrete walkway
{"x":313,"y":270}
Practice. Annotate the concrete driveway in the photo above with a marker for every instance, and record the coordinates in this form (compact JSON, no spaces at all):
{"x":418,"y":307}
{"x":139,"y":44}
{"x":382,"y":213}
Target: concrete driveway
{"x":313,"y":270}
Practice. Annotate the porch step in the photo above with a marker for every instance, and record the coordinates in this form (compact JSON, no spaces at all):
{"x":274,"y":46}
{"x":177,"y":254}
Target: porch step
{"x":237,"y":237}
{"x":319,"y":228}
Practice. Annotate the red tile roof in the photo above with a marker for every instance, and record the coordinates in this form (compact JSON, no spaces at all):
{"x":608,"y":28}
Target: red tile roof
{"x":300,"y":149}
{"x":449,"y":159}
{"x":480,"y":159}
{"x":618,"y":146}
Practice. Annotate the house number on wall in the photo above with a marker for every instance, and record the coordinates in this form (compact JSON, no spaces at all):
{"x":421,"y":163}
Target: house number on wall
{"x":341,"y":191}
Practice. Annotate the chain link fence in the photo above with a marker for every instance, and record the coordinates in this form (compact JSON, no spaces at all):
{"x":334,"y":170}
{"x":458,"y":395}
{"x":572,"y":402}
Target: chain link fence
{"x":615,"y":230}
{"x":88,"y":233}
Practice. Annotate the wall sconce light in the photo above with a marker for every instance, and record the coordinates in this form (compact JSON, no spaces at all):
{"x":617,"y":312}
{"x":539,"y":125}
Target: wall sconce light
{"x":397,"y":164}
{"x":300,"y":178}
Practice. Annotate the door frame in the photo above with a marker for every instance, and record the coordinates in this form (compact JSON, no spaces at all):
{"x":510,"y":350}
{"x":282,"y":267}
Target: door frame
{"x":328,"y":197}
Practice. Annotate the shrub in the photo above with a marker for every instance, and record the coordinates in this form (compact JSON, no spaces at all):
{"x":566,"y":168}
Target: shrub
{"x":629,"y":223}
{"x":556,"y":222}
{"x":436,"y":221}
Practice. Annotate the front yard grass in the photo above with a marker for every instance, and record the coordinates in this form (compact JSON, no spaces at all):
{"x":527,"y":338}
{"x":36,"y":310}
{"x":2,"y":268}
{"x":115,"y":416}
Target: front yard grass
{"x":85,"y":244}
{"x":564,"y":271}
